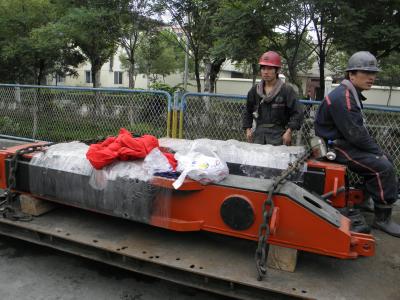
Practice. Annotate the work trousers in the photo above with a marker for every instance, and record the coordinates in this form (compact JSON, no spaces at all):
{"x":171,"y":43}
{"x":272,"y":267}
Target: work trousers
{"x":271,"y":136}
{"x":378,"y":172}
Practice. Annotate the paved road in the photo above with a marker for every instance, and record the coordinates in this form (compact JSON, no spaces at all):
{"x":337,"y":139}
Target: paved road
{"x":28,"y":271}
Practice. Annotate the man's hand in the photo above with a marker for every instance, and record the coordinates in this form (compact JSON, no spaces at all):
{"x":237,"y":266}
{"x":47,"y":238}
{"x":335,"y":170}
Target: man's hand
{"x":249,"y":135}
{"x":287,"y":137}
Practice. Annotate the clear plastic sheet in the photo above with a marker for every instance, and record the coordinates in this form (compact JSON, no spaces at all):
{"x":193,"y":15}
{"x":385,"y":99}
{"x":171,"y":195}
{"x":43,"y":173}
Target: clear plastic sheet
{"x":71,"y":157}
{"x":233,"y":151}
{"x":68,"y":157}
{"x":156,"y":162}
{"x":127,"y":170}
{"x":63,"y":173}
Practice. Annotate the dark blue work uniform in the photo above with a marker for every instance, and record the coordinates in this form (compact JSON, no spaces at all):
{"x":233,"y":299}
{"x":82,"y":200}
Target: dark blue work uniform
{"x":274,"y":117}
{"x":340,"y":118}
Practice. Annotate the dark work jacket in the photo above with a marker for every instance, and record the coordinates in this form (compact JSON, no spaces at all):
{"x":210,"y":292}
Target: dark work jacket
{"x":284,"y":110}
{"x":340,"y":118}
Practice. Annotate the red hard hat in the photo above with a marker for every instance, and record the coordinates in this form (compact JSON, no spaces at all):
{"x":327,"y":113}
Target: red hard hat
{"x":270,"y":58}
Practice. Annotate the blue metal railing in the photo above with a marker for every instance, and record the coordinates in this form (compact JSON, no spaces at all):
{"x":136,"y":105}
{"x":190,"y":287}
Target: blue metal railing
{"x":30,"y":110}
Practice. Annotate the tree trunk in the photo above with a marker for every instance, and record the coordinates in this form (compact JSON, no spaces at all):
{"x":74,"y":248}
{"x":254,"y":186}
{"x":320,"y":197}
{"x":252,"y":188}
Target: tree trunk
{"x":96,"y":75}
{"x":255,"y":72}
{"x":321,"y":91}
{"x":293,"y":78}
{"x":215,"y":68}
{"x":40,"y":74}
{"x":39,"y":77}
{"x":207,"y":71}
{"x":211,"y":73}
{"x":131,"y":74}
{"x":131,"y":71}
{"x":97,"y":95}
{"x":197,"y":74}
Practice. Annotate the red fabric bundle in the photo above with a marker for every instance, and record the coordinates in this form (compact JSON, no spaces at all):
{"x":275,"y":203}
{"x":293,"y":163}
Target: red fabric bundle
{"x":123,"y":147}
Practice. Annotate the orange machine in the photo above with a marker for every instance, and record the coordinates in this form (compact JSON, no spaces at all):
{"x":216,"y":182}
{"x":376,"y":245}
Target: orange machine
{"x":233,"y":207}
{"x":328,"y":179}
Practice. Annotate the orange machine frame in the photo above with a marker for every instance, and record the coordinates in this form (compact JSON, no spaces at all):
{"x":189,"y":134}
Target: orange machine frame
{"x":335,"y":181}
{"x":293,"y":224}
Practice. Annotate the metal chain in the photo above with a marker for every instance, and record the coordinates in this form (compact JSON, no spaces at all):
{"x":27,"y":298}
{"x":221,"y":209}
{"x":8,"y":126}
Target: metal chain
{"x":7,"y":210}
{"x":264,"y":229}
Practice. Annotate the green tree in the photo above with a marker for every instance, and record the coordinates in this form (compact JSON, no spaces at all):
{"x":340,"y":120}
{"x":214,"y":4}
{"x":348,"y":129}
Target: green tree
{"x":194,"y":20}
{"x":212,"y":60}
{"x":59,"y":57}
{"x":32,"y":47}
{"x":291,"y":39}
{"x":337,"y":62}
{"x":135,"y":22}
{"x":243,"y":27}
{"x":93,"y":26}
{"x":94,"y":32}
{"x":373,"y":26}
{"x":323,"y":14}
{"x":390,"y":74}
{"x":156,"y":57}
{"x":249,"y":28}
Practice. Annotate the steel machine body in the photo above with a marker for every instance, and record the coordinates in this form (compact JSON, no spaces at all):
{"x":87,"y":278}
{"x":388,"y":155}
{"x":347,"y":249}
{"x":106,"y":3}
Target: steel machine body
{"x":300,"y":219}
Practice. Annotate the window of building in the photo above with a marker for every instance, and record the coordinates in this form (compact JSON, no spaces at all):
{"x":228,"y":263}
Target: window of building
{"x":118,"y":77}
{"x":237,"y":74}
{"x":89,"y":78}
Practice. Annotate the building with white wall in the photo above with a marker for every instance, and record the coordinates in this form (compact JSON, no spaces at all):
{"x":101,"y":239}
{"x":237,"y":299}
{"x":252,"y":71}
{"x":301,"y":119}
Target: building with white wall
{"x":112,"y":75}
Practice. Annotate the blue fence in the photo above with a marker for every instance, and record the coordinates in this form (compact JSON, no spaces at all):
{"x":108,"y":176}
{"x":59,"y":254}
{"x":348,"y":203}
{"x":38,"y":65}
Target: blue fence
{"x":218,"y":116}
{"x":71,"y":113}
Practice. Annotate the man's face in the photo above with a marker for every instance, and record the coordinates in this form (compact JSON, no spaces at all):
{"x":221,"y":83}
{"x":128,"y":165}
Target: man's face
{"x":363,"y":80}
{"x":268,"y":73}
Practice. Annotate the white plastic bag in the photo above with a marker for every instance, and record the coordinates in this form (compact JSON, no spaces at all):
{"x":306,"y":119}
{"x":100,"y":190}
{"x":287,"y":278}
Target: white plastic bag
{"x":200,"y":164}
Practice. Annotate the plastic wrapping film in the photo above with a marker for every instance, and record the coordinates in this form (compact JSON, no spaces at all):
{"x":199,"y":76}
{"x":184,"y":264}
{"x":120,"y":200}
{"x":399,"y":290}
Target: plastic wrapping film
{"x":68,"y":157}
{"x":253,"y":160}
{"x":62,"y":173}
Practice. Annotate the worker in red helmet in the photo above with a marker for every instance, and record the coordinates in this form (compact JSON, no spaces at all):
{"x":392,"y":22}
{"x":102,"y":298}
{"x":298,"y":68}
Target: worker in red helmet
{"x":272,"y":105}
